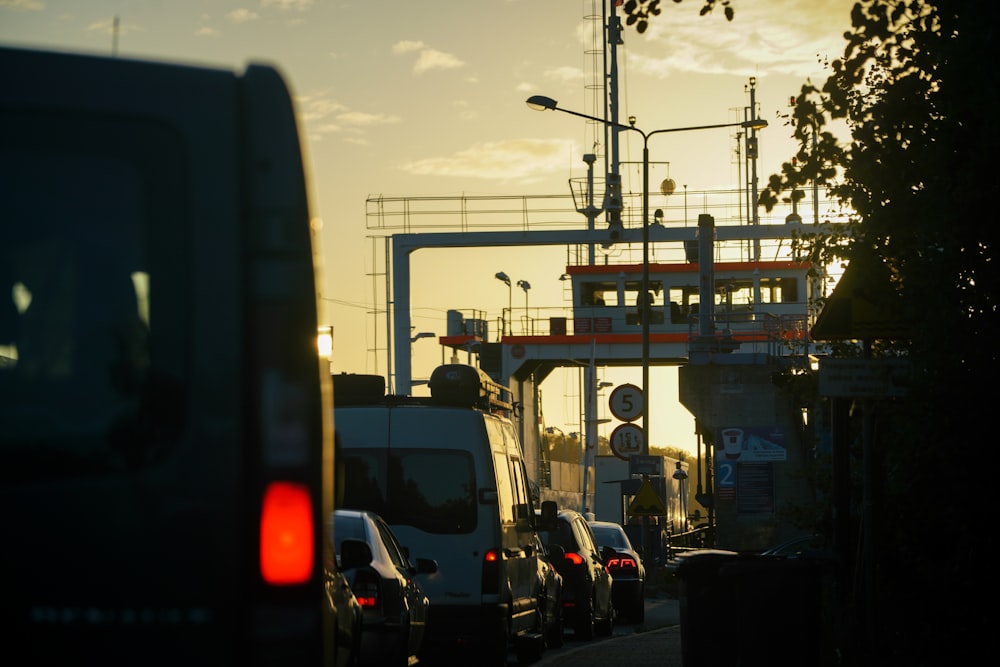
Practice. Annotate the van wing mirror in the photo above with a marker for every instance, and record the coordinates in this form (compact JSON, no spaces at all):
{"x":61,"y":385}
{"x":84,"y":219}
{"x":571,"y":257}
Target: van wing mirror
{"x":547,"y":517}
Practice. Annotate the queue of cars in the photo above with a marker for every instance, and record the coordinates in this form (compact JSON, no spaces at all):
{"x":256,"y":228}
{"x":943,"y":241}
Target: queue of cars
{"x":446,"y":475}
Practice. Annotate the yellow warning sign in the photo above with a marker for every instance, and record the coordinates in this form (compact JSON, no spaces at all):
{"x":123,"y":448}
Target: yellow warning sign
{"x":647,"y":502}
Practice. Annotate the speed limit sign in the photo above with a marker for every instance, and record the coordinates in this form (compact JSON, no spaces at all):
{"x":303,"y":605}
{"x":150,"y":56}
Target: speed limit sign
{"x":626,"y":402}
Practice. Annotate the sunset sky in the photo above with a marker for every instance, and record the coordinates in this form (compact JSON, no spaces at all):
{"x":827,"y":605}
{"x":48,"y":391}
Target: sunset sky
{"x":404,"y":98}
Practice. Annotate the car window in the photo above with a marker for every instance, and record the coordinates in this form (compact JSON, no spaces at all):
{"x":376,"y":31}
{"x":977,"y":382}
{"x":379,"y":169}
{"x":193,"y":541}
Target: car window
{"x":583,"y":536}
{"x":392,"y":546}
{"x":611,"y":536}
{"x":560,"y":535}
{"x":348,"y":527}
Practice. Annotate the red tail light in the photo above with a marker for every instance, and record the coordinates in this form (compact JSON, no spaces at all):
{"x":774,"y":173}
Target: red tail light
{"x":366,"y":590}
{"x":623,"y":562}
{"x":286,"y":534}
{"x":491,"y":572}
{"x":574,"y":558}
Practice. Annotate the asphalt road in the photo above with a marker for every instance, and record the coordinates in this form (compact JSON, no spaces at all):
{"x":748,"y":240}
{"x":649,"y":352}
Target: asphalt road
{"x":659,"y":634}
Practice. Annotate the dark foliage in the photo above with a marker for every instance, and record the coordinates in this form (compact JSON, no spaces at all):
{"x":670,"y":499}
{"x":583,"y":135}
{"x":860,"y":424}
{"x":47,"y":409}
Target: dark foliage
{"x":918,"y":94}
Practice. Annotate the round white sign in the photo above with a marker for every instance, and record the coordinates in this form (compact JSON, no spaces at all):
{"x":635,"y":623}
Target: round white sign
{"x":626,"y":441}
{"x":626,"y":402}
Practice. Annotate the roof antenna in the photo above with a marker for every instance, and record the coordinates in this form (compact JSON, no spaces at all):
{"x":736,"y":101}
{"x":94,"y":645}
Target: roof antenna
{"x":114,"y":38}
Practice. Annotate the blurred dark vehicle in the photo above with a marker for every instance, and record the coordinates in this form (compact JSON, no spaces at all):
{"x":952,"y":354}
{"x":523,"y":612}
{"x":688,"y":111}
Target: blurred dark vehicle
{"x":587,"y":605}
{"x":166,"y":429}
{"x":384,"y":581}
{"x":550,"y":595}
{"x":803,"y":546}
{"x":629,"y":574}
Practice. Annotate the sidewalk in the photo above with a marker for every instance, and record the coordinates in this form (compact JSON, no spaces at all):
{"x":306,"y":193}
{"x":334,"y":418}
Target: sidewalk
{"x":659,"y":648}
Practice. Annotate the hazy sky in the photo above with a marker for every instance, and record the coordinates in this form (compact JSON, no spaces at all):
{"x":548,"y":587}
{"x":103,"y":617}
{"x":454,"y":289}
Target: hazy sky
{"x":404,"y":98}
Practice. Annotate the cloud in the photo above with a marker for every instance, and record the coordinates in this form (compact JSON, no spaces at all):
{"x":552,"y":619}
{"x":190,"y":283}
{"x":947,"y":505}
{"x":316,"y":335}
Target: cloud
{"x":433,"y":59}
{"x":427,"y":58}
{"x":242,"y":15}
{"x":407,"y":46}
{"x":323,"y":116}
{"x":300,"y":5}
{"x":23,"y":5}
{"x":565,"y":74}
{"x":778,"y":36}
{"x":108,"y":26}
{"x":366,"y":119}
{"x":516,"y":159}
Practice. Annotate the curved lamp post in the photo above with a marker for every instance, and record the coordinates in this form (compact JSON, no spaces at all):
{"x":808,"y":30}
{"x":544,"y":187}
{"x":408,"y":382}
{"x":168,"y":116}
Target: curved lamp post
{"x":542,"y":103}
{"x":505,"y":279}
{"x":525,"y":285}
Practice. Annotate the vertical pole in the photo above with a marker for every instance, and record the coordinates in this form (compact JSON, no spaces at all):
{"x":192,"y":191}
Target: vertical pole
{"x":753,"y":166}
{"x":643,"y":296}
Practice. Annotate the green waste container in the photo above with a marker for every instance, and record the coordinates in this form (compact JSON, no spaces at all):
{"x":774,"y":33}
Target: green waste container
{"x":747,"y":610}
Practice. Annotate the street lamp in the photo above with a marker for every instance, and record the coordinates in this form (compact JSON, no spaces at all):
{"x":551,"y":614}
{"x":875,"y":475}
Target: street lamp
{"x":505,"y":279}
{"x":542,"y":103}
{"x":525,"y":285}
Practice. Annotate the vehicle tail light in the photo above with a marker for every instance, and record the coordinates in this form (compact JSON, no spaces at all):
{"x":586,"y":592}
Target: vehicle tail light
{"x":286,"y":534}
{"x":491,"y":571}
{"x":574,"y":558}
{"x":366,"y":590}
{"x":623,"y":563}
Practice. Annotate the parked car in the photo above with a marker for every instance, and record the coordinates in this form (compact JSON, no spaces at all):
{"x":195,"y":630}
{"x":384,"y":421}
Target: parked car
{"x":550,"y":596}
{"x":627,"y":570}
{"x":393,"y":603}
{"x":587,"y":605}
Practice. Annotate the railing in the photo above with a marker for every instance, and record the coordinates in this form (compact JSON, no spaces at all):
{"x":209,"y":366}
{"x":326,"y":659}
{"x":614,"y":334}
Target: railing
{"x":776,"y":334}
{"x":541,"y":212}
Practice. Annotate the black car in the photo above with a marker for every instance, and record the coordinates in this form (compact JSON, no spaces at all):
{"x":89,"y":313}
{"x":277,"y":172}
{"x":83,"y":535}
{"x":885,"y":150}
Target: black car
{"x":394,"y":606}
{"x":550,"y":595}
{"x":587,"y":605}
{"x":627,"y":570}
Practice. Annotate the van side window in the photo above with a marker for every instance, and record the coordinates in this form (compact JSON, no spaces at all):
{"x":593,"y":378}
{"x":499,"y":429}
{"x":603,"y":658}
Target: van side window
{"x":504,"y":492}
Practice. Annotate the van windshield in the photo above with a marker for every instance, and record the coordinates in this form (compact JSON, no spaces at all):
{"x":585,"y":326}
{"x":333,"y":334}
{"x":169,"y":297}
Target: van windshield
{"x":430,"y":489}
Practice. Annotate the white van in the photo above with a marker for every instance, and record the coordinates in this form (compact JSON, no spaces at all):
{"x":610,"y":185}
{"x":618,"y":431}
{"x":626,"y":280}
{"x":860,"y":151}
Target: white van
{"x":447,"y":473}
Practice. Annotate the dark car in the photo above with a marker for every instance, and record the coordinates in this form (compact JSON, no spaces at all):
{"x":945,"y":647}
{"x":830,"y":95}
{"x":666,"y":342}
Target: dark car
{"x":587,"y":605}
{"x":629,"y":588}
{"x":550,"y":596}
{"x":394,"y":605}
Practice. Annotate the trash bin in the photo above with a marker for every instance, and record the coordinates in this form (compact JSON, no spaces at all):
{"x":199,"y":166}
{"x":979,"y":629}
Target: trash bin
{"x":740,"y":609}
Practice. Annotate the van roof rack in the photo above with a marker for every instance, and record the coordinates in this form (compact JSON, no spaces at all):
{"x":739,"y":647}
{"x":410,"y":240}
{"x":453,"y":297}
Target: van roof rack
{"x":467,"y":386}
{"x":457,"y":385}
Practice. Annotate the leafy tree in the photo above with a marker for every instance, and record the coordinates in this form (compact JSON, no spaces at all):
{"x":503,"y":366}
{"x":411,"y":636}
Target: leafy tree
{"x":918,"y":93}
{"x":638,"y":12}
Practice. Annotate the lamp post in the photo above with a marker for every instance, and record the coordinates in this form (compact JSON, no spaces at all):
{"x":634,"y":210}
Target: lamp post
{"x":505,"y":279}
{"x":525,"y":285}
{"x":541,"y":103}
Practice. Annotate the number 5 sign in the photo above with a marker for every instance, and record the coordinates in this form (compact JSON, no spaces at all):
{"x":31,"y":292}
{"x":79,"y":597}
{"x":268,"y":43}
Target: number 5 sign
{"x":626,"y":402}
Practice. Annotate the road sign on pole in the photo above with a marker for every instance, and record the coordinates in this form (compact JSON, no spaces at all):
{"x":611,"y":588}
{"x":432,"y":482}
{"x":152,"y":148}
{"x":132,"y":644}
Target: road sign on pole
{"x":626,"y":402}
{"x":626,"y":440}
